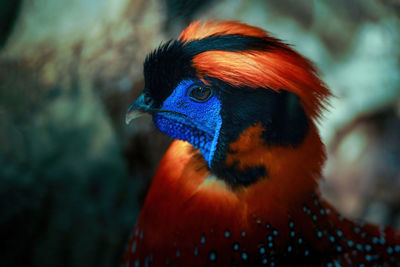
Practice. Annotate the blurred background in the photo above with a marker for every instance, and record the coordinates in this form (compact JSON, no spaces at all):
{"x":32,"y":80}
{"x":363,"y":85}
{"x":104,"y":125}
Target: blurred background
{"x":73,"y":176}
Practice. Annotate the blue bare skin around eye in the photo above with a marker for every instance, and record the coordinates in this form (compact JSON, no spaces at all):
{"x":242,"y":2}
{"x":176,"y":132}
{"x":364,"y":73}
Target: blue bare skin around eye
{"x":201,"y":121}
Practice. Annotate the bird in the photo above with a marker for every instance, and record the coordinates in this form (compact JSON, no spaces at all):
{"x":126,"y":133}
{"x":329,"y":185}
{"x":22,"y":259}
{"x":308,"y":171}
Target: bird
{"x":239,"y":184}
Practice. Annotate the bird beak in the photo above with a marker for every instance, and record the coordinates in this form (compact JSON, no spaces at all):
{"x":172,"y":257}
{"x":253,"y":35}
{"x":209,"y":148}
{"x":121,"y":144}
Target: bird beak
{"x":138,"y":108}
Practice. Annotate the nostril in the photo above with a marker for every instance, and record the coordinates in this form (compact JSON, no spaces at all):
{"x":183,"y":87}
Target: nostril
{"x":148,"y":101}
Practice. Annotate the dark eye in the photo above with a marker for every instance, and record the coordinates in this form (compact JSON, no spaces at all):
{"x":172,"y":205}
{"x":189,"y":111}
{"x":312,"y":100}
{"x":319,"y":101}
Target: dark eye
{"x":200,"y":93}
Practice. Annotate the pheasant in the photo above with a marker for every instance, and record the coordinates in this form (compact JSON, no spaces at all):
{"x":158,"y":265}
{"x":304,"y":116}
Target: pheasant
{"x":239,"y":185}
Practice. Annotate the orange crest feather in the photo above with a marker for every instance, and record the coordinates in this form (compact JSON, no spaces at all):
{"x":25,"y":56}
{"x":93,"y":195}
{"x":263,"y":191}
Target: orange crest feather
{"x":280,"y":68}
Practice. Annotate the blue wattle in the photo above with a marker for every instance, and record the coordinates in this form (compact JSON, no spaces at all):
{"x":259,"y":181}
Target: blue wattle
{"x":197,"y":123}
{"x":181,"y":130}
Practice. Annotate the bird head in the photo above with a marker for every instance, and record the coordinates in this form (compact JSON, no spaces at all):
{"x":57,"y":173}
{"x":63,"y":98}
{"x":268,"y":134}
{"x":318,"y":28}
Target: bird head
{"x":231,"y":90}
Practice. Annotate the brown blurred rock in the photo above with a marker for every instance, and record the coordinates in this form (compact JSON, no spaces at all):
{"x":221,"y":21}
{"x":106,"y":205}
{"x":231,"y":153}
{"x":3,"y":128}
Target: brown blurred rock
{"x":363,"y":174}
{"x":67,"y":196}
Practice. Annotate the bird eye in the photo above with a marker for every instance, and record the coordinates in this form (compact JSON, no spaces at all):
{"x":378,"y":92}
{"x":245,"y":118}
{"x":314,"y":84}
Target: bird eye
{"x":200,"y":93}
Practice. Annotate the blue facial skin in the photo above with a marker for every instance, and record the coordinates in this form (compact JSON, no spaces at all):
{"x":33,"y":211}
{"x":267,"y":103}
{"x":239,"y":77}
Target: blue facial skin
{"x":196,"y":122}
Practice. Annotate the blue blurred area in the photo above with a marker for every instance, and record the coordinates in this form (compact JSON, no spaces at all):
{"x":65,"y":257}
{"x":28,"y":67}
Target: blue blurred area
{"x":72,"y":175}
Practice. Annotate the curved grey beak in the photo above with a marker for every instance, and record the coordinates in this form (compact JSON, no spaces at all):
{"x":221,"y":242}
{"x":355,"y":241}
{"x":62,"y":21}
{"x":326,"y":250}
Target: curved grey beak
{"x":131,"y":115}
{"x":138,"y":108}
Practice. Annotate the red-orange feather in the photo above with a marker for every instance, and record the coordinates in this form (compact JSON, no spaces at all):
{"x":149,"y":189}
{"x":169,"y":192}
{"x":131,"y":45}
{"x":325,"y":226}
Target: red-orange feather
{"x":191,"y":218}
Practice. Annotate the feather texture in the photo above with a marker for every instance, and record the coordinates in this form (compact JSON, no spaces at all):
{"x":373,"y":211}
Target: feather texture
{"x":190,"y":217}
{"x":255,"y":201}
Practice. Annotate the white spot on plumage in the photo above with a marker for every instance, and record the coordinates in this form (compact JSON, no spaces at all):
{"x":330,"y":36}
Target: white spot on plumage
{"x":319,"y":234}
{"x":227,"y":234}
{"x":141,"y":235}
{"x":203,"y":239}
{"x":339,"y":233}
{"x":133,"y":249}
{"x":213,"y":256}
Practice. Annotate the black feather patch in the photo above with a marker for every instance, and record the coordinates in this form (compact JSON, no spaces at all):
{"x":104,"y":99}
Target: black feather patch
{"x":235,"y":177}
{"x":164,"y":68}
{"x":280,"y":113}
{"x":232,"y":43}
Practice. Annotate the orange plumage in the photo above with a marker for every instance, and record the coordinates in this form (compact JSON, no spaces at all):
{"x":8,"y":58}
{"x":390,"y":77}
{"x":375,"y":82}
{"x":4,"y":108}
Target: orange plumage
{"x":277,"y":69}
{"x":193,"y":217}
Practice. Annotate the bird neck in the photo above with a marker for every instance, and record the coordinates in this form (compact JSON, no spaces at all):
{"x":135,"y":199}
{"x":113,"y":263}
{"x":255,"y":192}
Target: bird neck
{"x":291,"y":180}
{"x":292,"y":174}
{"x":291,"y":170}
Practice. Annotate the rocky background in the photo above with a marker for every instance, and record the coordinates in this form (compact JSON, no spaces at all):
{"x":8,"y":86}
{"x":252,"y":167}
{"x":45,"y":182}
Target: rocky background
{"x":73,"y":176}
